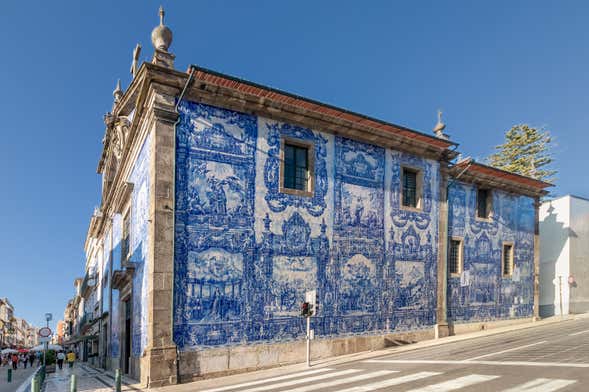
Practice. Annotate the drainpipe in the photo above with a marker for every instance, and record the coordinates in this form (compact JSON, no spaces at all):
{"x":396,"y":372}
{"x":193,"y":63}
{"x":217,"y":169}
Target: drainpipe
{"x":192,"y":70}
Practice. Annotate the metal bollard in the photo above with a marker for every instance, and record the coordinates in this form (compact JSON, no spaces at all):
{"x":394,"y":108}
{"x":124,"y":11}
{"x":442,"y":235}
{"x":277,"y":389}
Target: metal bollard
{"x":35,"y":385}
{"x":9,"y":376}
{"x":73,"y":383}
{"x":118,"y":380}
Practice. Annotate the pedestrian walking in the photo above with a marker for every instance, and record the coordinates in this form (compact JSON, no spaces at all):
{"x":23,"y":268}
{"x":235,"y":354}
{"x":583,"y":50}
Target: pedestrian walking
{"x":60,"y":359}
{"x":32,"y":358}
{"x":24,"y":360}
{"x":14,"y":360}
{"x":71,"y":357}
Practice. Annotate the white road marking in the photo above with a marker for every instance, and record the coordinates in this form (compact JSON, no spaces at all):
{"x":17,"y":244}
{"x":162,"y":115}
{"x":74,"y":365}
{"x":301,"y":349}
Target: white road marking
{"x":258,"y":382}
{"x":505,"y":351}
{"x":457,"y":383}
{"x":299,"y":381}
{"x":578,"y":333}
{"x":493,"y":363}
{"x":391,"y":382}
{"x":542,"y":385}
{"x":340,"y":381}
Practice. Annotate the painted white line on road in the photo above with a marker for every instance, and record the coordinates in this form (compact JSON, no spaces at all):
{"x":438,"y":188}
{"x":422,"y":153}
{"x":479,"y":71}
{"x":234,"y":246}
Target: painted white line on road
{"x":492,"y":363}
{"x":505,"y":351}
{"x":341,"y":381}
{"x":578,"y":333}
{"x":299,"y":381}
{"x":392,"y":382}
{"x":25,"y":385}
{"x":457,"y":383}
{"x":542,"y":385}
{"x":258,"y":382}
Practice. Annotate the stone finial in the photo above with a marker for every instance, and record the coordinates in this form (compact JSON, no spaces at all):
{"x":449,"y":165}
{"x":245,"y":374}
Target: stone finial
{"x":118,"y":92}
{"x":135,"y":62}
{"x":440,"y":126}
{"x":161,"y":36}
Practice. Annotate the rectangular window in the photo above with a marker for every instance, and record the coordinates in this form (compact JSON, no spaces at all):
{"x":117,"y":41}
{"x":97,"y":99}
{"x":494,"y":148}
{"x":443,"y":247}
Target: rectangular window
{"x":507,"y":259}
{"x":483,"y":203}
{"x":455,"y":257}
{"x":410,"y":195}
{"x":296,"y":171}
{"x":125,"y":241}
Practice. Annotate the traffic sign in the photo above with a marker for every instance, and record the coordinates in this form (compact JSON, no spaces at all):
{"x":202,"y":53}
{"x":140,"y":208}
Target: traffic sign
{"x":44,"y":339}
{"x":45,"y":332}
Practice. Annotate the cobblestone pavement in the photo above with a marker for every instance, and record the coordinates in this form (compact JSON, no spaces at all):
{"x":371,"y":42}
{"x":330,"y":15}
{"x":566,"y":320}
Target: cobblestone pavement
{"x":88,"y":380}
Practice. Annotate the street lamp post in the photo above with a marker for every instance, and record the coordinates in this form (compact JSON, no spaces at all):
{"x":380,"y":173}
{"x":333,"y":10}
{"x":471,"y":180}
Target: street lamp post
{"x":48,"y":317}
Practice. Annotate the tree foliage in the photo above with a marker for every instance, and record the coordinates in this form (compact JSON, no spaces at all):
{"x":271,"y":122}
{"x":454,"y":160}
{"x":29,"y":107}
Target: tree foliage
{"x":526,"y":151}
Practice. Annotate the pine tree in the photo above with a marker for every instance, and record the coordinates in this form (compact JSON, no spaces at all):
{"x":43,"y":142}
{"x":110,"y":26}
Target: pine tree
{"x":525,"y":152}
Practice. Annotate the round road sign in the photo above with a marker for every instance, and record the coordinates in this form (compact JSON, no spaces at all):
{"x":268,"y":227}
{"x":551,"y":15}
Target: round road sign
{"x":45,"y":332}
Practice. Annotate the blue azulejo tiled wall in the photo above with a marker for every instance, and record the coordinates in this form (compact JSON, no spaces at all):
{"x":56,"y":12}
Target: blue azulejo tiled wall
{"x":246,"y":253}
{"x":486,"y":294}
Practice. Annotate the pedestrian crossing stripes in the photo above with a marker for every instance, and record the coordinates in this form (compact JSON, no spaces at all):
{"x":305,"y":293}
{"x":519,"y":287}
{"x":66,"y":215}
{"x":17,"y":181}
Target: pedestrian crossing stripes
{"x":273,"y":379}
{"x":379,"y":380}
{"x":391,"y":382}
{"x":541,"y":385}
{"x":457,"y":383}
{"x":291,"y":383}
{"x":329,"y":384}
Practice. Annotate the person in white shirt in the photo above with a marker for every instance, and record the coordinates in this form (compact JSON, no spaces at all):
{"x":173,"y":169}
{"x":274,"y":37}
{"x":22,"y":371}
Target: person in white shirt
{"x":60,"y":359}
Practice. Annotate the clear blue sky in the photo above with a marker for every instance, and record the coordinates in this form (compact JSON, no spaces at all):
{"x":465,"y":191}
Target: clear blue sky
{"x":488,"y":65}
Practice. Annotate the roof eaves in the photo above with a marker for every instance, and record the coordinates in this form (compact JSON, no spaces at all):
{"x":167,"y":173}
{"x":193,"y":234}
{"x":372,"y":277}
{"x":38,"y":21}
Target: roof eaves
{"x":346,"y":112}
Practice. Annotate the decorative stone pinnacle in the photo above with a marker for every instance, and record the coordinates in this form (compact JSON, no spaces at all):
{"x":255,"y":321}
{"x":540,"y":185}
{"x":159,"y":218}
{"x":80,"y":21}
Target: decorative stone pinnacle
{"x":440,"y":126}
{"x":161,"y":36}
{"x":118,"y":92}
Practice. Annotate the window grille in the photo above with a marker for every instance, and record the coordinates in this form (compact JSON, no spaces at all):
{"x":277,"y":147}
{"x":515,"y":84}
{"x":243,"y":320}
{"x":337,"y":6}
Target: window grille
{"x":483,"y":203}
{"x":296,"y":167}
{"x":507,"y":259}
{"x":409,"y":188}
{"x":455,"y":256}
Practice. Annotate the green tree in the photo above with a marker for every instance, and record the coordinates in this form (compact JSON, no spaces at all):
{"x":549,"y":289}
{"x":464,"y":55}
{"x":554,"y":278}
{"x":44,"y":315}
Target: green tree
{"x":526,"y":151}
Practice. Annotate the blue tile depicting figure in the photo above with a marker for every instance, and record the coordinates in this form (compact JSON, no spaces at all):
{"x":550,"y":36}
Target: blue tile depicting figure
{"x":246,"y":252}
{"x":486,"y":294}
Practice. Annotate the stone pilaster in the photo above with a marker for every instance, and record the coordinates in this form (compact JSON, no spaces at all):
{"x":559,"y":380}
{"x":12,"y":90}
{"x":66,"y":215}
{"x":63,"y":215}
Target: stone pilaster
{"x":442,"y":311}
{"x":158,"y":365}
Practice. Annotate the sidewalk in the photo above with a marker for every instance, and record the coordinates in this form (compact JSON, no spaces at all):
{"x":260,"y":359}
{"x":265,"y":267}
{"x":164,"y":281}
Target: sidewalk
{"x":88,"y":380}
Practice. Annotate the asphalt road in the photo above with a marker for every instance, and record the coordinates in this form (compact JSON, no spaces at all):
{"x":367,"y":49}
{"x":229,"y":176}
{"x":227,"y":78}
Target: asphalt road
{"x":18,"y":377}
{"x":551,"y":357}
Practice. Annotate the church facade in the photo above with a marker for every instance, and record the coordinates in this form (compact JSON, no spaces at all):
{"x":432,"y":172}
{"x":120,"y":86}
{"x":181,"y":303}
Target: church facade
{"x":225,"y":201}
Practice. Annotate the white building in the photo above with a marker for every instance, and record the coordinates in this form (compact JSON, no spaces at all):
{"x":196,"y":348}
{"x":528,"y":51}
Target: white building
{"x":564,"y":256}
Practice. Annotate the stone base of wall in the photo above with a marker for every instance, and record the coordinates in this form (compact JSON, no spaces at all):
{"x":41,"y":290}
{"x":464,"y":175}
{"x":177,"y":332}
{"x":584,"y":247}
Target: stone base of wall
{"x":579,"y":307}
{"x":456,"y":329}
{"x":196,"y":365}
